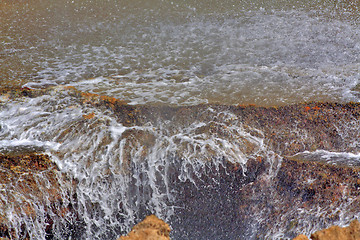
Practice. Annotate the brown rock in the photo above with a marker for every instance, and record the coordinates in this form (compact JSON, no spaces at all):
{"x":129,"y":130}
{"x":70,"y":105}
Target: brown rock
{"x":301,"y":237}
{"x":305,"y":185}
{"x":35,"y":179}
{"x":351,"y":232}
{"x":151,"y":228}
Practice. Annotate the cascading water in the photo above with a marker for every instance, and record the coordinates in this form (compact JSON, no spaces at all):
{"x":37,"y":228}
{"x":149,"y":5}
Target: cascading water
{"x":211,"y":171}
{"x":123,"y":172}
{"x":125,"y":169}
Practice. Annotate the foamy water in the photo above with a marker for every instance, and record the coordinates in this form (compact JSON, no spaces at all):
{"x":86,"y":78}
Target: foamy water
{"x":185,"y":53}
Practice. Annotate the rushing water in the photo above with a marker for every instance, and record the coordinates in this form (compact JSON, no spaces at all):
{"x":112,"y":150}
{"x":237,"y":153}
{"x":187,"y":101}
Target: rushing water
{"x":169,"y":53}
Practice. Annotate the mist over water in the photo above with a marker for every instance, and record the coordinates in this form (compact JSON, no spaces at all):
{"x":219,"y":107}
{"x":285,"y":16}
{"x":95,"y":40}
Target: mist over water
{"x":186,"y":52}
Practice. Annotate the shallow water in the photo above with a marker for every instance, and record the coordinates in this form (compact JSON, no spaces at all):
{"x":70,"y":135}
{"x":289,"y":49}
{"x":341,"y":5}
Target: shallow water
{"x":186,"y":52}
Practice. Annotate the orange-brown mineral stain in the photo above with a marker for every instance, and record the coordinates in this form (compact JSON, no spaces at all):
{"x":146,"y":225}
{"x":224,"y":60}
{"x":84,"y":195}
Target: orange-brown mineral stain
{"x":71,"y":88}
{"x":110,"y":100}
{"x":89,"y":97}
{"x":89,"y":116}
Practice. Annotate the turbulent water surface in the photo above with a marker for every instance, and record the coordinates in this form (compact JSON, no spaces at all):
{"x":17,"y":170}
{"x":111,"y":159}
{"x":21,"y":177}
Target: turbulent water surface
{"x":185,"y":52}
{"x":165,"y":55}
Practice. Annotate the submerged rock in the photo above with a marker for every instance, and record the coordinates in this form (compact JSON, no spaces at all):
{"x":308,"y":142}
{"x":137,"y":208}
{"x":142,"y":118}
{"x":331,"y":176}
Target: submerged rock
{"x":352,"y":232}
{"x":151,"y":228}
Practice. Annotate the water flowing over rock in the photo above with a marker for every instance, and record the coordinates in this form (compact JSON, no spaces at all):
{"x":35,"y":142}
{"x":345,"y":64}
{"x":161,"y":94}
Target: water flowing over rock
{"x":262,"y":172}
{"x":31,"y":182}
{"x":227,"y":119}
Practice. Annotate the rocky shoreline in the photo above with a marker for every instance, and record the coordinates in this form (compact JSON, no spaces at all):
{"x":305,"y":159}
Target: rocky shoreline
{"x":151,"y":228}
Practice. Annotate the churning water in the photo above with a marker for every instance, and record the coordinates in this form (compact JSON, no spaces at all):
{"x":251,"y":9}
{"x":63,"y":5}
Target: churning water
{"x":186,"y":52}
{"x":165,"y":53}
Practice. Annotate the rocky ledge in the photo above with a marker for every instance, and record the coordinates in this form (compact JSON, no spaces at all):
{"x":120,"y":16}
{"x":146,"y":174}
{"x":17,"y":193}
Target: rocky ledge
{"x":151,"y":228}
{"x":282,"y":194}
{"x":352,"y":232}
{"x":34,"y":177}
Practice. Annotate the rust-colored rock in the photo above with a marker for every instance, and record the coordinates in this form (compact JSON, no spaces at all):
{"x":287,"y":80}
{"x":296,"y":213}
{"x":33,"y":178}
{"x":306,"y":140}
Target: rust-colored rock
{"x":151,"y":228}
{"x":317,"y":182}
{"x":286,"y":130}
{"x":352,"y":232}
{"x":301,"y":237}
{"x":35,"y":179}
{"x":89,"y":116}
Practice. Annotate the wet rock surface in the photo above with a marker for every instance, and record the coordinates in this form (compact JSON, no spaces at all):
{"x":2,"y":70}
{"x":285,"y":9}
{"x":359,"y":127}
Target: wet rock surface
{"x":300,"y":191}
{"x":351,"y":232}
{"x":35,"y":178}
{"x":301,"y":237}
{"x":307,"y":186}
